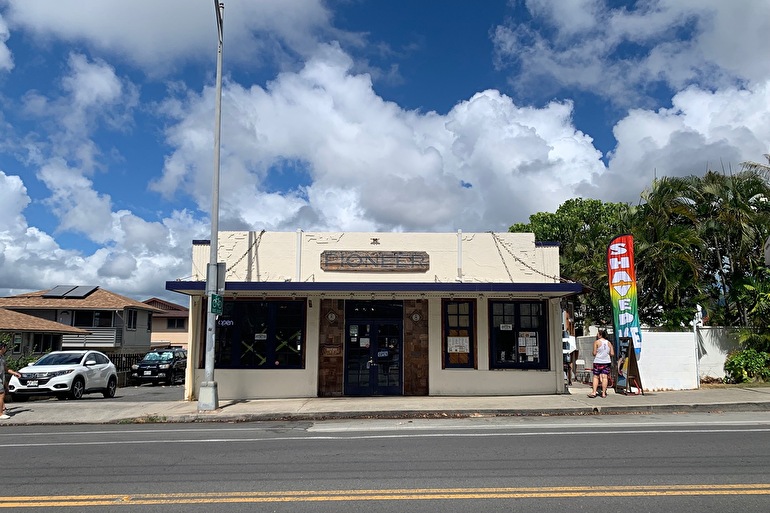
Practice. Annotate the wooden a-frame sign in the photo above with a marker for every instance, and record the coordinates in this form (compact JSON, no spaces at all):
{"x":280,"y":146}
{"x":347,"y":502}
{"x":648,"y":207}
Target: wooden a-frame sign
{"x":628,"y":380}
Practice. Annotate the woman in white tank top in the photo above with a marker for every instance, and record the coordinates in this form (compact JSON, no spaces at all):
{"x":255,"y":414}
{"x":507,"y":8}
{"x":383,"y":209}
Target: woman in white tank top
{"x":603,"y":353}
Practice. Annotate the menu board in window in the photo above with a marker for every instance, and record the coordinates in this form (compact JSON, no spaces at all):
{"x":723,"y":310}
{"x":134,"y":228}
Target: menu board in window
{"x":458,"y":344}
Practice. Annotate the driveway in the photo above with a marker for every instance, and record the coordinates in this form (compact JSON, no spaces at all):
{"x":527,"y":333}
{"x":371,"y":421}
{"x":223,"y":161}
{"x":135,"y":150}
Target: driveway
{"x":147,"y":392}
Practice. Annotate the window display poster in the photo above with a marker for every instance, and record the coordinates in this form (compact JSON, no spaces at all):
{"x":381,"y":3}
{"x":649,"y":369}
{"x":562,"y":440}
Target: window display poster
{"x":458,"y":344}
{"x":528,"y":345}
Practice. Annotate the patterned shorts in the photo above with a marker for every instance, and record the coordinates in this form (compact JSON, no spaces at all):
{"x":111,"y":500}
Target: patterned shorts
{"x":601,"y":368}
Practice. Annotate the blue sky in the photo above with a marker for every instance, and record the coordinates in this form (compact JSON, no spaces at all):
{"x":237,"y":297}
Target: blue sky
{"x":349,"y":115}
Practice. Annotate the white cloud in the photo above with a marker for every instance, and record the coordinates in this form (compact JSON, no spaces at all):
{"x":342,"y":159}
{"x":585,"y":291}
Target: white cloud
{"x":369,"y":163}
{"x":13,"y":201}
{"x":159,"y":36}
{"x":6,"y":59}
{"x":703,"y":130}
{"x":615,"y":52}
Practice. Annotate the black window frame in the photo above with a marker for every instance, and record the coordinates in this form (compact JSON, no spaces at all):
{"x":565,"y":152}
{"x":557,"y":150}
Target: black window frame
{"x":132,"y":318}
{"x":521,"y":318}
{"x":257,"y":334}
{"x":96,"y":319}
{"x":176,"y":321}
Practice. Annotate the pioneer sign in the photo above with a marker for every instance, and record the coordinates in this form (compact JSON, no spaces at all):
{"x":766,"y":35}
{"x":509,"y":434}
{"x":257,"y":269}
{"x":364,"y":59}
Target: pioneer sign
{"x":375,"y":261}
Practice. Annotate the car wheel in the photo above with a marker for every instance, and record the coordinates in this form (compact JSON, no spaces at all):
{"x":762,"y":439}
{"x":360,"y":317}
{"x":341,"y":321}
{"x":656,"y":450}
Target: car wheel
{"x":19,"y":398}
{"x":112,"y":386}
{"x":78,"y":388}
{"x":172,"y":379}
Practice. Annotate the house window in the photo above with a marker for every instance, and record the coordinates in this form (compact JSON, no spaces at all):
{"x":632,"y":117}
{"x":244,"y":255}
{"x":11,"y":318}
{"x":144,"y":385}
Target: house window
{"x":93,"y":318}
{"x":518,"y":335}
{"x":175,"y":323}
{"x":149,"y":321}
{"x":261,"y":335}
{"x":131,"y":319}
{"x":44,"y":343}
{"x":458,"y":334}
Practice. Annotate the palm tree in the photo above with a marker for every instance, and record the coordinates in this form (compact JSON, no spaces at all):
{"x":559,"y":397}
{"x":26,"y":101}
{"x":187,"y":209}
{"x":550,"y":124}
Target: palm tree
{"x":667,"y":246}
{"x":733,"y":215}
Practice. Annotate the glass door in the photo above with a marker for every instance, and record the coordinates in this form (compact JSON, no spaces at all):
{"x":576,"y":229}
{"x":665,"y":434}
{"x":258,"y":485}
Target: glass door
{"x":373,"y":357}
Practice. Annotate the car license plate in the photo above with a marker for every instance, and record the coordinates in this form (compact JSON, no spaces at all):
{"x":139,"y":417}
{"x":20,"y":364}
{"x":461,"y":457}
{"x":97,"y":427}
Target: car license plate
{"x":147,"y":373}
{"x":32,"y":383}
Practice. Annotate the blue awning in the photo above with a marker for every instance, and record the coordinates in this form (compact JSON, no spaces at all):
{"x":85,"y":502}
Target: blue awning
{"x":256,"y":288}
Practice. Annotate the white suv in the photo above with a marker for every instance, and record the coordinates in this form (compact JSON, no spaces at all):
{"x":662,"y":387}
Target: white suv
{"x":66,"y":374}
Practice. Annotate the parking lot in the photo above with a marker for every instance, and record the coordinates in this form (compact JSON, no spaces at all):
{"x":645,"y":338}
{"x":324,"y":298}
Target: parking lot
{"x":146,"y":392}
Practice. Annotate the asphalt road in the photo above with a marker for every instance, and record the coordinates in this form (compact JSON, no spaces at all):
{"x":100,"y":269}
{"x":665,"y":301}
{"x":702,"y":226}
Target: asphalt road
{"x":627,"y":463}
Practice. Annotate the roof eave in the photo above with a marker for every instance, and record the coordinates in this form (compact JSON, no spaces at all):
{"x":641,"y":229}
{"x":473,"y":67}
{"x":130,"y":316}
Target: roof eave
{"x":288,"y":288}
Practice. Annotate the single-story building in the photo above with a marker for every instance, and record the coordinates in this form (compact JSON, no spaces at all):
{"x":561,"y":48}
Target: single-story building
{"x":311,"y":314}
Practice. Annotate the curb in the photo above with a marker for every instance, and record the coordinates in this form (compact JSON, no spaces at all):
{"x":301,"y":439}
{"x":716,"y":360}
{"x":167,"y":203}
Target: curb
{"x":454,"y":414}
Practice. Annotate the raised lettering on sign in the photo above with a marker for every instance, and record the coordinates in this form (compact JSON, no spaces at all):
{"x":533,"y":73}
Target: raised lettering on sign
{"x":375,"y":261}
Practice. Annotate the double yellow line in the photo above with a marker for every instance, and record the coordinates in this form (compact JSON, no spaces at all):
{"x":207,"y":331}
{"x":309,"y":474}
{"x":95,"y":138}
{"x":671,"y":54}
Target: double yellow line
{"x":57,"y":501}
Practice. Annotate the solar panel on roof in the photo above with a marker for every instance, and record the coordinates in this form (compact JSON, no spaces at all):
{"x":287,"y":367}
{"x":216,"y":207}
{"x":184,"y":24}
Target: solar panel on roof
{"x":80,"y":292}
{"x":59,"y":290}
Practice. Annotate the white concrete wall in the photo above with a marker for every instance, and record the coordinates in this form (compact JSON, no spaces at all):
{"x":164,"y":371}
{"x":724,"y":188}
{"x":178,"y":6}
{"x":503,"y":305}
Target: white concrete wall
{"x":668,"y":361}
{"x":677,"y":360}
{"x":714,"y":344}
{"x":273,"y":256}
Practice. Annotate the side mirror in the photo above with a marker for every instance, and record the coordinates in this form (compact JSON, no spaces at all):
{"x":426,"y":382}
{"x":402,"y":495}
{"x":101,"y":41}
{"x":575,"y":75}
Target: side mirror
{"x":90,"y":362}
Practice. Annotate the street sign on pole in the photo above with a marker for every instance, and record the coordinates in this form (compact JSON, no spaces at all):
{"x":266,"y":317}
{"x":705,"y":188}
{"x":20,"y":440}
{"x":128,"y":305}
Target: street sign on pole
{"x":216,"y":304}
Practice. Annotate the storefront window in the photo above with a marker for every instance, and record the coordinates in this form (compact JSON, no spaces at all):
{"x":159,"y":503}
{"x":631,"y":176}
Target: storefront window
{"x":458,"y":334}
{"x":261,"y":335}
{"x":518,"y":335}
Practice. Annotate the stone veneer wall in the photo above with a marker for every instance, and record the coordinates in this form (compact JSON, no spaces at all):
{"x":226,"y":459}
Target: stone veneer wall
{"x":331,"y":354}
{"x":416,"y":348}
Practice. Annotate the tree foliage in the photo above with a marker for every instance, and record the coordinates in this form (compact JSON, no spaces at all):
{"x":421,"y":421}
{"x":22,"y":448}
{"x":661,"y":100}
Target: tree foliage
{"x":698,"y":241}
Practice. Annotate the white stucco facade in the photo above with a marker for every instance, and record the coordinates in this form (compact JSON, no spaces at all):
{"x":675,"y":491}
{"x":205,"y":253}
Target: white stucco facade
{"x":466,"y":314}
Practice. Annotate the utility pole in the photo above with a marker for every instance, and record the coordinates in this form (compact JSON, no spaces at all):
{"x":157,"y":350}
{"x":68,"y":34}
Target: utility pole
{"x":208,"y":399}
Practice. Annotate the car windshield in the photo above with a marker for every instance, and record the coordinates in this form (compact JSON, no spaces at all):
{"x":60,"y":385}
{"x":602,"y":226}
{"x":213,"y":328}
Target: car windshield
{"x":154,"y":357}
{"x":60,"y":359}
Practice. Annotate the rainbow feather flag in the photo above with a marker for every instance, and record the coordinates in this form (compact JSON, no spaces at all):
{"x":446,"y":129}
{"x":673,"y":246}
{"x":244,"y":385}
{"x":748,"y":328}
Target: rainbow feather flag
{"x":623,"y":290}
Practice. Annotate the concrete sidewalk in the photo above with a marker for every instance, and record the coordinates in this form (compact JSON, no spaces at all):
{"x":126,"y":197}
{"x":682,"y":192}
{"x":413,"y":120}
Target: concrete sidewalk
{"x":96,"y":410}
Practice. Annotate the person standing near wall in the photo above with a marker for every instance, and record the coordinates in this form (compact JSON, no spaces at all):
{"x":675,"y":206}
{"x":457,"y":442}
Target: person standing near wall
{"x":603,"y":353}
{"x":3,"y":371}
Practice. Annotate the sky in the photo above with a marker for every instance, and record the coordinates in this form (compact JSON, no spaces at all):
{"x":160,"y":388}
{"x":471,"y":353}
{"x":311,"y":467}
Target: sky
{"x":349,"y":115}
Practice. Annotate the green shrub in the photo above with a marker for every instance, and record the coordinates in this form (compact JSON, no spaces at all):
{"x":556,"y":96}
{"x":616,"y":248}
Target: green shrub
{"x":747,"y":365}
{"x":17,"y":362}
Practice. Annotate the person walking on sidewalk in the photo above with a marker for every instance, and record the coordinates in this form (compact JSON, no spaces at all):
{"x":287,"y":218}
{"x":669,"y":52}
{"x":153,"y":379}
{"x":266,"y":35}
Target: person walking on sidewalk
{"x":603,"y":353}
{"x":3,"y":371}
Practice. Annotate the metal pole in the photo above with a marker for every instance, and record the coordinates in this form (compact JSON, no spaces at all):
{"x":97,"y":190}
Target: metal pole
{"x":207,"y":396}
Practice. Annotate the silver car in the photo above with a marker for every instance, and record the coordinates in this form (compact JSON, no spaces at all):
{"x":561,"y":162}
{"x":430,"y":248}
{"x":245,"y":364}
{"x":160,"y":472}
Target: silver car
{"x":66,"y":374}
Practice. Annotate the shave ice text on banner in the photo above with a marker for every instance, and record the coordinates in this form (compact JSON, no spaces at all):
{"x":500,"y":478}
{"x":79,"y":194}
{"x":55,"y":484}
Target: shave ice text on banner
{"x":623,"y":291}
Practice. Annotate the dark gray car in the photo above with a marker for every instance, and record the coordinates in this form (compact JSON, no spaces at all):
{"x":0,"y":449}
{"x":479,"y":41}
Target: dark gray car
{"x":161,"y":366}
